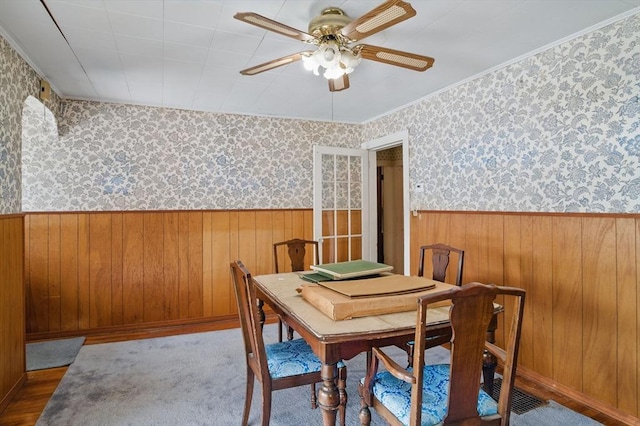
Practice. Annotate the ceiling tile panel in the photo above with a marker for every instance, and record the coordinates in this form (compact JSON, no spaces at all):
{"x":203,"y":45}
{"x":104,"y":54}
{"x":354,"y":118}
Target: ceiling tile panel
{"x":180,"y":52}
{"x":139,"y":46}
{"x":193,"y":12}
{"x":235,"y":61}
{"x":80,"y":38}
{"x":147,"y":8}
{"x":79,"y":16}
{"x":136,"y":26}
{"x":175,"y":32}
{"x":235,"y":43}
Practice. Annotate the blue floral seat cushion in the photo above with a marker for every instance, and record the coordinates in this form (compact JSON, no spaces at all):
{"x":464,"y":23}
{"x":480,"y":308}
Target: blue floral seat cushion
{"x":395,"y":395}
{"x":291,"y":358}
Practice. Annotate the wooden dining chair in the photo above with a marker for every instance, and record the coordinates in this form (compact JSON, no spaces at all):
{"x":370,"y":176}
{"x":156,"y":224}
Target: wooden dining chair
{"x":278,"y":365}
{"x":440,"y":254}
{"x":448,"y":393}
{"x":297,"y":251}
{"x":440,"y":258}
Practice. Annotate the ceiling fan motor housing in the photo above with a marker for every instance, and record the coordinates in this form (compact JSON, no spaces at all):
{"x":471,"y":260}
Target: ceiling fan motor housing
{"x":329,"y":23}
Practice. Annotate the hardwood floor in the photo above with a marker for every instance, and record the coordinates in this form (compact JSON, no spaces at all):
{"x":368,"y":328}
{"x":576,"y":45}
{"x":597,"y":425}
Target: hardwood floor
{"x":30,"y":401}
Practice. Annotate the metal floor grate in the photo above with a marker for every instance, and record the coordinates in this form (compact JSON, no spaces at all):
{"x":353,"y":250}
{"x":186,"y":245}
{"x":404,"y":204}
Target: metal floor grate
{"x":521,"y":402}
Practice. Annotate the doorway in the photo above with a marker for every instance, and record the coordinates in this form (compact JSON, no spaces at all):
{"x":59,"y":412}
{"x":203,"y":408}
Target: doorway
{"x":389,"y":190}
{"x":398,"y":189}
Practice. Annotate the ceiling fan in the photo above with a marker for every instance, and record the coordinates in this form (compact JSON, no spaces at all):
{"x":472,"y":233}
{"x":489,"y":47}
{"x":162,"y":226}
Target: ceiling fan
{"x":333,"y":33}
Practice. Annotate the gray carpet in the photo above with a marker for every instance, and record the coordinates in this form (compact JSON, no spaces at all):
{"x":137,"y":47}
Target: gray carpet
{"x":199,"y":379}
{"x":52,"y":353}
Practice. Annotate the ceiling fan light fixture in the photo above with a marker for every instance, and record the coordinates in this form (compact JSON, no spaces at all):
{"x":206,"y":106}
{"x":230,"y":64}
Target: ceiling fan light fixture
{"x":334,"y":72}
{"x":328,"y":54}
{"x":310,"y":64}
{"x":350,"y":60}
{"x":335,"y":59}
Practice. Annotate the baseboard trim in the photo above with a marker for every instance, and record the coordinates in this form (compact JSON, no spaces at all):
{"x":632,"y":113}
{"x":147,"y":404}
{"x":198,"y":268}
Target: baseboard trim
{"x":579,"y":397}
{"x":146,"y":330}
{"x":12,"y":392}
{"x":162,"y":327}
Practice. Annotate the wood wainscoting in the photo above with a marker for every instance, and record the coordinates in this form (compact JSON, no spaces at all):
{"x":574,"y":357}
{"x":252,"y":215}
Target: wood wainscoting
{"x":12,"y":314}
{"x":90,"y":272}
{"x":582,"y":276}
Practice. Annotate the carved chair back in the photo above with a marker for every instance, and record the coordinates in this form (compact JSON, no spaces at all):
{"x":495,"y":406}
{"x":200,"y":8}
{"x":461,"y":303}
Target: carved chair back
{"x":440,"y":256}
{"x":297,"y":251}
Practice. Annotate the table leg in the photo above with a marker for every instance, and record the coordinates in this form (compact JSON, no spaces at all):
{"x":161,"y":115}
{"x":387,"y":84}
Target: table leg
{"x":328,"y":395}
{"x":261,"y":312}
{"x":489,"y":362}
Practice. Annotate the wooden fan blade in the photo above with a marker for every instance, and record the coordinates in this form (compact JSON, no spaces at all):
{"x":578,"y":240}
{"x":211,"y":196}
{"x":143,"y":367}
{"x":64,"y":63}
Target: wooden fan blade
{"x":395,"y":57}
{"x":285,"y":60}
{"x":271,"y":25}
{"x":340,"y":83}
{"x":383,"y":16}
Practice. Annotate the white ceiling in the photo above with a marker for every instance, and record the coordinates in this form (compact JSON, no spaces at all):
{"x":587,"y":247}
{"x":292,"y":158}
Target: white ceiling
{"x":187,"y":53}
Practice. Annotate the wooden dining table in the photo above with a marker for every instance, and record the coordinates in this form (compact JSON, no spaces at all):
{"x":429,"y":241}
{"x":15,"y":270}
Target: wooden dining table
{"x":333,"y":341}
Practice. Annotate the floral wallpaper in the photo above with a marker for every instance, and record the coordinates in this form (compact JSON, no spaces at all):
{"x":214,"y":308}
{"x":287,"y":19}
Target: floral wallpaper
{"x":18,"y":81}
{"x":556,"y":132}
{"x":124,"y":157}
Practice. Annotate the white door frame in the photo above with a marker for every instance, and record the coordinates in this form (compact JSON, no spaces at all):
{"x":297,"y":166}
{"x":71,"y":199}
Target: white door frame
{"x":385,"y":142}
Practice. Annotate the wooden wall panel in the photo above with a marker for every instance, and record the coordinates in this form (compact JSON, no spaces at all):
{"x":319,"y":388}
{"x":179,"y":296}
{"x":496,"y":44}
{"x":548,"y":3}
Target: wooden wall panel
{"x":100,"y":270}
{"x":223,"y":298}
{"x":542,"y":295}
{"x":567,"y":300}
{"x":636,"y":395}
{"x":53,"y":272}
{"x":38,"y":291}
{"x":12,"y":307}
{"x":84,"y":272}
{"x":246,"y":240}
{"x":195,"y":265}
{"x":116,"y":270}
{"x":28,"y":309}
{"x":138,"y":269}
{"x":207,"y":264}
{"x":171,"y":265}
{"x":582,"y":314}
{"x":153,"y":267}
{"x":526,"y":282}
{"x":264,"y":241}
{"x":277,"y":232}
{"x":133,"y":268}
{"x":627,"y":322}
{"x":599,"y":309}
{"x":183,"y":265}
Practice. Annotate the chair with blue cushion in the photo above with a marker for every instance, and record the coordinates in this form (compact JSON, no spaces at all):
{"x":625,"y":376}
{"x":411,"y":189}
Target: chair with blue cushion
{"x":449,"y":393}
{"x":279,"y":365}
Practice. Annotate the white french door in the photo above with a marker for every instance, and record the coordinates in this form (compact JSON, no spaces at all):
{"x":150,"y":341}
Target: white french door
{"x":341,"y":213}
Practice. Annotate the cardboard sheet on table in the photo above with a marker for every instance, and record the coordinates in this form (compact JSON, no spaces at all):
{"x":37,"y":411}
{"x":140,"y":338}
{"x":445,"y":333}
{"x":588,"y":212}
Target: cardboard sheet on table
{"x":338,"y":307}
{"x":380,"y":286}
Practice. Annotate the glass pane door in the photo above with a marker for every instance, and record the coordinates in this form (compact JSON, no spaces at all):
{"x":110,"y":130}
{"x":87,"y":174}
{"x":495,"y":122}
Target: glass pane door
{"x":340,"y":201}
